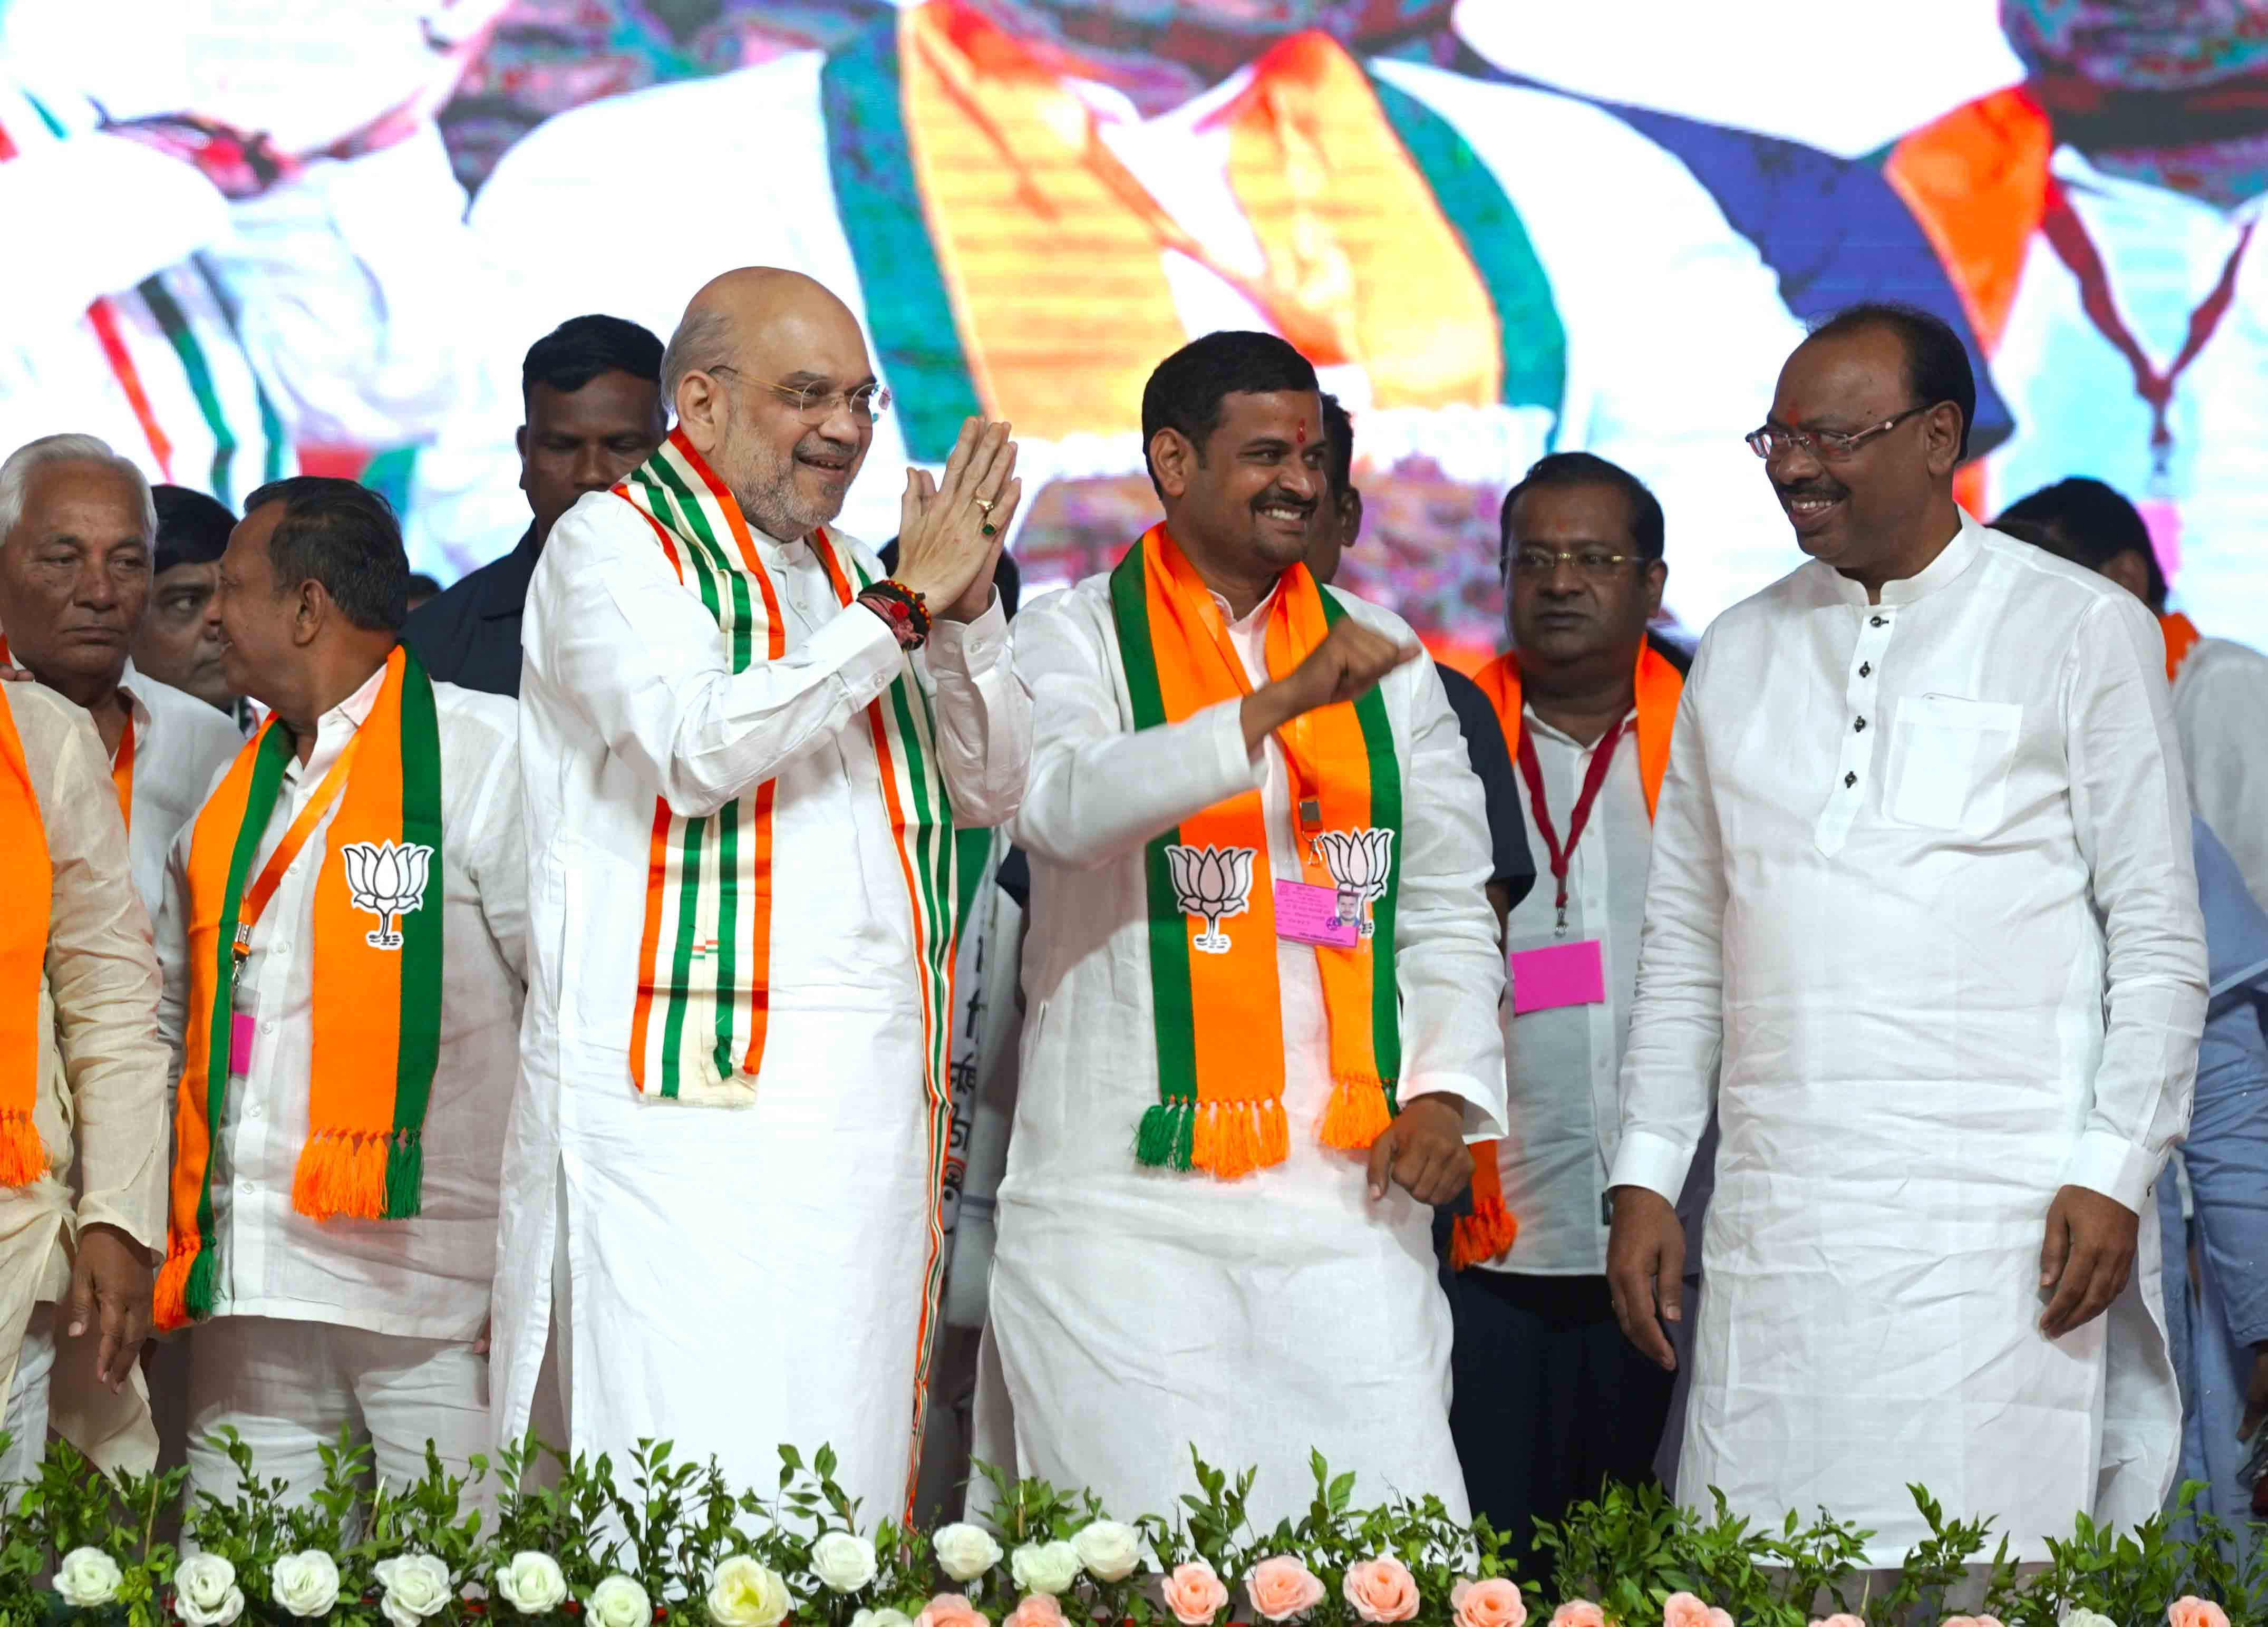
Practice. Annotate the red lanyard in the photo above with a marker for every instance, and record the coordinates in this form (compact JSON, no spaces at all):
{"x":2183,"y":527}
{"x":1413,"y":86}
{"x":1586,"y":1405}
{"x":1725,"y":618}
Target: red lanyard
{"x":1602,"y":756}
{"x":2066,"y":234}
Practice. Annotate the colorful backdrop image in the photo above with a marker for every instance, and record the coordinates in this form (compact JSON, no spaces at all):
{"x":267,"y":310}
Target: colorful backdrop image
{"x":281,"y":234}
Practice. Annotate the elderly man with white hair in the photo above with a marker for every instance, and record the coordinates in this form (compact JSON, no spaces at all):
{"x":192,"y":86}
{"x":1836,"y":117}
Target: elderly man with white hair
{"x":745,"y":751}
{"x":78,"y":535}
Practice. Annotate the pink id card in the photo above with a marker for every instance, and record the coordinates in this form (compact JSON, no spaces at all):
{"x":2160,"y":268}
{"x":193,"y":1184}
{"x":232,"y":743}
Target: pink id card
{"x":1307,"y":914}
{"x":239,"y":1043}
{"x":1558,"y":974}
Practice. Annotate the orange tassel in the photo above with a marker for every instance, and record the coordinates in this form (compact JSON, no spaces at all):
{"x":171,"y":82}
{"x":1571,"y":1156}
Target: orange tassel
{"x":23,"y":1160}
{"x":1275,"y":1134}
{"x":340,"y":1174}
{"x":1486,"y":1234}
{"x":171,"y":1305}
{"x":1357,"y":1116}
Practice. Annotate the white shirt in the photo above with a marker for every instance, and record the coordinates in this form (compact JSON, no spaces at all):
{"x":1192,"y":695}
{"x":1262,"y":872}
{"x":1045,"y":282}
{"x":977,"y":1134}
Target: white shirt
{"x":181,"y":747}
{"x":821,"y":1193}
{"x":2221,"y":709}
{"x":1561,"y":1065}
{"x":1922,"y":874}
{"x":428,"y":1276}
{"x":1261,"y":1317}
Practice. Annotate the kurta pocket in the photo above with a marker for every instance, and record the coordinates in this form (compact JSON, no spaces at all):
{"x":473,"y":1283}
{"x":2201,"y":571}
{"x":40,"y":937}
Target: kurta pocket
{"x":1949,"y":761}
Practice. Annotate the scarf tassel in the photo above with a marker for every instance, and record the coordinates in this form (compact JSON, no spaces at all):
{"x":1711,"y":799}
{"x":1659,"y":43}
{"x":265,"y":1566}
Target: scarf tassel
{"x":1486,"y":1234}
{"x":1359,"y":1111}
{"x":23,"y":1158}
{"x":1225,"y":1139}
{"x":354,"y":1175}
{"x":185,"y":1288}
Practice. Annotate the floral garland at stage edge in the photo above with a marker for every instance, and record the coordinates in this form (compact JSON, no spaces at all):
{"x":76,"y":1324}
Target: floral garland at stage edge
{"x":669,"y":1542}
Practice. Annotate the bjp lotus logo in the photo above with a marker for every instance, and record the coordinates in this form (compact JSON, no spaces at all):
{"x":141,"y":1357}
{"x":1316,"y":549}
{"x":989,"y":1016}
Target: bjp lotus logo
{"x":386,"y":878}
{"x":1359,"y":862}
{"x":1215,"y":883}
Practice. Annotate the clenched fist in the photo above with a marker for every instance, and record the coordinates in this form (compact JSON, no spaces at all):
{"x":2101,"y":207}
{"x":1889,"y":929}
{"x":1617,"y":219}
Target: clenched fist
{"x":1348,"y":665}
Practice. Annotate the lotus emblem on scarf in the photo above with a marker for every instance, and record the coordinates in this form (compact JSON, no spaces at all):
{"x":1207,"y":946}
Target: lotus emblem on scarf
{"x":1215,"y":883}
{"x":388,"y":879}
{"x":1358,"y":861}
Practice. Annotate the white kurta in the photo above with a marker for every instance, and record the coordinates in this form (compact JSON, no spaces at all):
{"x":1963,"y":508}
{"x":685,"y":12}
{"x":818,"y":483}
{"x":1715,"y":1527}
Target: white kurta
{"x":180,"y":746}
{"x":1136,"y":1311}
{"x":741,"y":1278}
{"x":2221,"y":710}
{"x":1910,"y":857}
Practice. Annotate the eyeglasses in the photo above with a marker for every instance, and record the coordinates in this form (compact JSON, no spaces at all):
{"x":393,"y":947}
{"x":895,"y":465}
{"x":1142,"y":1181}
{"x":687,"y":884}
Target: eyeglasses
{"x":1830,"y":446}
{"x":1595,"y":562}
{"x":815,"y":405}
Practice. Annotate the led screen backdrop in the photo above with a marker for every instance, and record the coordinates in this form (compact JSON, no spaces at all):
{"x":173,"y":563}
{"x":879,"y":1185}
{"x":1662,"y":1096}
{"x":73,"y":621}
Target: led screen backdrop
{"x":251,"y":235}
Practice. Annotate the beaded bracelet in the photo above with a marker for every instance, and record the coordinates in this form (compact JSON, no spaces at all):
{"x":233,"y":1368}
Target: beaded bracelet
{"x":904,"y":611}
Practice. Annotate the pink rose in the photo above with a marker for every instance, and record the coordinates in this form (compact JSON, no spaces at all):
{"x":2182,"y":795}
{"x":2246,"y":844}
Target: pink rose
{"x":1719,"y":1618}
{"x":1579,"y":1613}
{"x":1841,"y":1621}
{"x":1282,"y":1587}
{"x":1974,"y":1621}
{"x":1036,"y":1610}
{"x":2188,"y":1610}
{"x":1381,"y":1589}
{"x":1682,"y":1609}
{"x":1494,"y":1603}
{"x":1194,"y":1594}
{"x":951,"y":1610}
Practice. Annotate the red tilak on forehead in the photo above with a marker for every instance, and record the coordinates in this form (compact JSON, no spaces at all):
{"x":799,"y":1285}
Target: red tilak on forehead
{"x":1302,"y":433}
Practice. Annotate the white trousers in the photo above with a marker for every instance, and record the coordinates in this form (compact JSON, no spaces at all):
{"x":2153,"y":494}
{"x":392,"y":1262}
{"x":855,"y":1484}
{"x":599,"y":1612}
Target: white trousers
{"x":289,"y":1387}
{"x":27,"y":1418}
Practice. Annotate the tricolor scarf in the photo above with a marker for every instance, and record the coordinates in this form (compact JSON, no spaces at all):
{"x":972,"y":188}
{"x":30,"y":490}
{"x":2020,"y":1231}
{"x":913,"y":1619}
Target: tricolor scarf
{"x":1491,"y":1228}
{"x":27,"y":881}
{"x":376,"y":974}
{"x":704,"y":957}
{"x":2181,"y":635}
{"x":1217,"y":1013}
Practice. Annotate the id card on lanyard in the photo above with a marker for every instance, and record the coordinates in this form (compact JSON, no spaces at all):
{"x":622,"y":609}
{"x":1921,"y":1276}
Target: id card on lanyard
{"x":1561,"y":973}
{"x":244,"y":1024}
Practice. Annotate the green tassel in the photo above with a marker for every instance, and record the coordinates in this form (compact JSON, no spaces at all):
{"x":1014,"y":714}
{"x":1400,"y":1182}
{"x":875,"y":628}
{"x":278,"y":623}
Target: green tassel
{"x":198,"y":1295}
{"x":405,"y":1174}
{"x":1163,"y":1141}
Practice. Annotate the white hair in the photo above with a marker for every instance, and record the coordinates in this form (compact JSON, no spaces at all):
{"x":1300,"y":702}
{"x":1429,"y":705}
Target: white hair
{"x":16,"y":474}
{"x":702,"y":343}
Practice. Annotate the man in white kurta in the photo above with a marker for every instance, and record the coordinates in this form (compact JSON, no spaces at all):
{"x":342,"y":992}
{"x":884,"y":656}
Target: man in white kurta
{"x":1137,"y":1312}
{"x":762,"y":1270}
{"x":1922,"y":882}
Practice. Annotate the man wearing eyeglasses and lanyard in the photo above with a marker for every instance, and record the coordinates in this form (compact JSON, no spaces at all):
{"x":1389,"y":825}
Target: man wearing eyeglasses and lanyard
{"x":1551,"y":1399}
{"x":1922,"y":924}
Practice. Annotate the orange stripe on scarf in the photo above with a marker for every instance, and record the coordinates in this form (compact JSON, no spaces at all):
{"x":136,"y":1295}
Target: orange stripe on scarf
{"x":2181,"y":635}
{"x":1357,"y":262}
{"x":27,"y":882}
{"x":1491,"y":1229}
{"x":1235,"y":1003}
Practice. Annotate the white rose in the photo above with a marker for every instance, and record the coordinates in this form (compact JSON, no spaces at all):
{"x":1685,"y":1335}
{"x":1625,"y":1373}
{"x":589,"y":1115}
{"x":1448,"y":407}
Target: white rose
{"x":1108,"y":1551}
{"x":87,"y":1577}
{"x":2086,"y":1618}
{"x":1048,"y":1568}
{"x":205,"y":1594}
{"x":305,"y":1584}
{"x":884,"y":1617}
{"x":843,"y":1562}
{"x":966,"y":1551}
{"x":417,"y":1587}
{"x":532,"y":1584}
{"x":745,"y":1594}
{"x":619,"y":1602}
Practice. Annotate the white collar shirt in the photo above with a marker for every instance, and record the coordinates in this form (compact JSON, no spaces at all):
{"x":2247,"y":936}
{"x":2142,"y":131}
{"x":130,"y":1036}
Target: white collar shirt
{"x":1562,"y":1064}
{"x":427,"y":1276}
{"x":180,"y":745}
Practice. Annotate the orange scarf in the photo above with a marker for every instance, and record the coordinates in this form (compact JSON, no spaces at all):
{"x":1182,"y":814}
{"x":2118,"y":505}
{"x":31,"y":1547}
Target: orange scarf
{"x":2181,"y":635}
{"x":1357,"y":262}
{"x":1491,"y":1228}
{"x":1217,"y":1010}
{"x":27,"y":882}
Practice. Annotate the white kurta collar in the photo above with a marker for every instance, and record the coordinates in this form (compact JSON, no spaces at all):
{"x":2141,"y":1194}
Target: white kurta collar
{"x":1956,"y":556}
